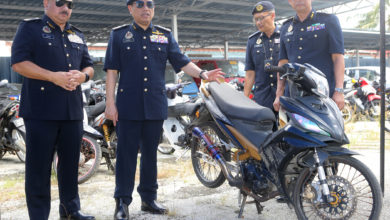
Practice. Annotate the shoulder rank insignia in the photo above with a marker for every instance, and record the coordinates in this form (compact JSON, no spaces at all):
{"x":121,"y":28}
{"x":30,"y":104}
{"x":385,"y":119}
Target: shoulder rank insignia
{"x":288,"y":20}
{"x":31,"y":19}
{"x":254,"y":34}
{"x":75,"y":28}
{"x":120,"y":27}
{"x":163,"y":28}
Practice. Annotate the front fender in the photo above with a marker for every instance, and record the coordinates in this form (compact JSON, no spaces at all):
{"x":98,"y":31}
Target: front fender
{"x":325,"y":153}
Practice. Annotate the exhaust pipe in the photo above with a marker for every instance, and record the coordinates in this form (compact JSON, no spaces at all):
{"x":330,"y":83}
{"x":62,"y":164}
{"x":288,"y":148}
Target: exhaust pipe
{"x":214,"y":152}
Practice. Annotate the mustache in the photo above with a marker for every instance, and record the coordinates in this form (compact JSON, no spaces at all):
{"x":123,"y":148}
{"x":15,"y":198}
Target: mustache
{"x":65,"y":13}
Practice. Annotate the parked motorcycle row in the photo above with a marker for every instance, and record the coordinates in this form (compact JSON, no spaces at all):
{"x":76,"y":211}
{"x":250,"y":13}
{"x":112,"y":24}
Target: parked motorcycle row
{"x":230,"y":138}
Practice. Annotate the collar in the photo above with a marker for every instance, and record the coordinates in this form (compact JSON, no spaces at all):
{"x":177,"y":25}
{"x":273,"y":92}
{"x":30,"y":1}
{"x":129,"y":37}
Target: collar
{"x":50,"y":23}
{"x":312,"y":16}
{"x":136,"y":27}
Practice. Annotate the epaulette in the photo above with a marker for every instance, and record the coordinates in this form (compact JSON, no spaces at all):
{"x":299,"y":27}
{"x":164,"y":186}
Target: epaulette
{"x":288,"y":20}
{"x":254,"y":34}
{"x":31,"y":19}
{"x":162,"y":28}
{"x":73,"y":27}
{"x":120,"y":27}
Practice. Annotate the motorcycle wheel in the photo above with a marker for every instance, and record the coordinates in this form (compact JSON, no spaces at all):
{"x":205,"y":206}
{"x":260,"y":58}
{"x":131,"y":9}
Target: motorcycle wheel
{"x":354,"y":188}
{"x":111,"y":157}
{"x":206,"y":168}
{"x":2,"y":153}
{"x":89,"y":161}
{"x":164,"y":146}
{"x":347,"y":113}
{"x":18,"y":136}
{"x":374,"y":110}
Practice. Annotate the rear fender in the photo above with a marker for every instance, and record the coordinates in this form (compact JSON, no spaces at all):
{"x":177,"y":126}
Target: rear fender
{"x":372,"y":97}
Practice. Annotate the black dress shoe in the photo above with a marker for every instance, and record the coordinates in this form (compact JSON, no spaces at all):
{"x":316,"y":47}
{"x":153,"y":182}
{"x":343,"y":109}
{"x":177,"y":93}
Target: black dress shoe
{"x":77,"y":216}
{"x":154,"y":208}
{"x":121,"y":210}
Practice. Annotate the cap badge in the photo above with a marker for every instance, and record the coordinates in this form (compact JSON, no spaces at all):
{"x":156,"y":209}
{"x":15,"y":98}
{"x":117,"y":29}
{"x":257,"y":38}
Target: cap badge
{"x":259,"y":8}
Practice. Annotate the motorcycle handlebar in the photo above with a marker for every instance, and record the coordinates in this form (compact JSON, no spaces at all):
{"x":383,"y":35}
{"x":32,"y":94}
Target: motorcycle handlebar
{"x":280,"y":69}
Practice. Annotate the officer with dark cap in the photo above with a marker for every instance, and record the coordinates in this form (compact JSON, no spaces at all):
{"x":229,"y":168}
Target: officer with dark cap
{"x":139,"y":52}
{"x":52,"y":56}
{"x":315,"y":38}
{"x":262,"y":50}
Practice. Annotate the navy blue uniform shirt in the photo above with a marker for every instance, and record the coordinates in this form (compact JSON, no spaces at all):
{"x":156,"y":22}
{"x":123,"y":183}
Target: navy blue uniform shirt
{"x":261,"y":49}
{"x":140,"y":56}
{"x":42,"y":42}
{"x":313,"y":41}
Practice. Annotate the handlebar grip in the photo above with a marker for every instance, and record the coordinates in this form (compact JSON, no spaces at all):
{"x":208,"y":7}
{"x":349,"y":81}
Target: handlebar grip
{"x":280,"y":69}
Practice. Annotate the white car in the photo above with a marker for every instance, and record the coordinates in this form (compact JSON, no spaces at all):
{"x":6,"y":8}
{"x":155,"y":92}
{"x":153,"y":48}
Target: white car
{"x":371,"y":73}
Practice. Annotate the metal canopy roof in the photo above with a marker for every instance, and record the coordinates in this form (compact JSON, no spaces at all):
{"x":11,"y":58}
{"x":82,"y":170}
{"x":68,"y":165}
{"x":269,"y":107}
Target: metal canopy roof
{"x":201,"y":23}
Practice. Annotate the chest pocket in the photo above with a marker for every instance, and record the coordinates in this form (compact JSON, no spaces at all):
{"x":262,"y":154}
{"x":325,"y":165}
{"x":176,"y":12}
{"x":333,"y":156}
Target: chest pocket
{"x":128,"y":50}
{"x":77,"y":49}
{"x":160,"y":52}
{"x":316,"y":38}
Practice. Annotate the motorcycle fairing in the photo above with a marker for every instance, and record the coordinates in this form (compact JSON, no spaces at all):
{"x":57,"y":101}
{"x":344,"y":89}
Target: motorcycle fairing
{"x":373,"y":97}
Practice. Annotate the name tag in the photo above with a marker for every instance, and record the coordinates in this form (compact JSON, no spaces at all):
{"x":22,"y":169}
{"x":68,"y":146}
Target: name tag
{"x":48,"y":36}
{"x":75,"y":39}
{"x":277,"y":41}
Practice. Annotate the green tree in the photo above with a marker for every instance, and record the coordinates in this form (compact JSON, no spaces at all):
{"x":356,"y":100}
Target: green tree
{"x":371,"y":19}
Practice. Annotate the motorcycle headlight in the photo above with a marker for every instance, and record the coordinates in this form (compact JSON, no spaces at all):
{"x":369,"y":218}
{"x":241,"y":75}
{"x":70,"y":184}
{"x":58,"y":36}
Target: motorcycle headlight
{"x":309,"y":125}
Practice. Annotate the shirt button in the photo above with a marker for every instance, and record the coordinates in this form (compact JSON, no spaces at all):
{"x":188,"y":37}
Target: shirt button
{"x":159,"y":49}
{"x":128,"y":48}
{"x":67,"y":55}
{"x":301,"y":38}
{"x":42,"y":88}
{"x":315,"y":35}
{"x":300,"y":48}
{"x":63,"y":35}
{"x":258,"y":51}
{"x":288,"y":39}
{"x":70,"y":65}
{"x":146,"y":90}
{"x":64,"y":45}
{"x":145,"y":57}
{"x":49,"y":44}
{"x":270,"y":41}
{"x":145,"y":68}
{"x":144,"y":37}
{"x":270,"y":49}
{"x":302,"y":29}
{"x":144,"y":47}
{"x":272,"y":84}
{"x":271,"y":75}
{"x":121,"y":90}
{"x":299,"y":57}
{"x":145,"y":79}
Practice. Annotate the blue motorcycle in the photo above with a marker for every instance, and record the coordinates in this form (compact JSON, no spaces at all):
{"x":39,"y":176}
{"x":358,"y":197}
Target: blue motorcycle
{"x":304,"y":161}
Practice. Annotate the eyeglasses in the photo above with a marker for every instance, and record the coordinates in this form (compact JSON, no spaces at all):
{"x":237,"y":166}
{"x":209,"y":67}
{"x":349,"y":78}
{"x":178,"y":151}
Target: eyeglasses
{"x":60,"y":3}
{"x":259,"y":19}
{"x":141,"y":4}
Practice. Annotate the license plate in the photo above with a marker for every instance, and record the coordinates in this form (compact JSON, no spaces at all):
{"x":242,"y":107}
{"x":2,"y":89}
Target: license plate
{"x":19,"y":122}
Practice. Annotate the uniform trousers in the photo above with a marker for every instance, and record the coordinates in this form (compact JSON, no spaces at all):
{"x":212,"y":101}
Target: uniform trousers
{"x":132,"y":137}
{"x":43,"y":137}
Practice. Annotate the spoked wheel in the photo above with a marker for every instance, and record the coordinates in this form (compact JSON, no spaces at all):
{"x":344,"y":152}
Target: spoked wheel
{"x":347,"y":113}
{"x":164,"y":146}
{"x":89,"y":161}
{"x":374,"y":110}
{"x":355,"y":191}
{"x":111,"y":156}
{"x":19,"y":139}
{"x":206,"y":168}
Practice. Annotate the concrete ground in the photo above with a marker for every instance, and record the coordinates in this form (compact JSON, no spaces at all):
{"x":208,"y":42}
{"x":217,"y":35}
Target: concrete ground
{"x":179,"y":190}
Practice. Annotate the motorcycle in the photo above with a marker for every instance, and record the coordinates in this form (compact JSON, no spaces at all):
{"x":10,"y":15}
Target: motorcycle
{"x":99,"y":137}
{"x":12,"y":130}
{"x":180,"y":111}
{"x":304,"y":160}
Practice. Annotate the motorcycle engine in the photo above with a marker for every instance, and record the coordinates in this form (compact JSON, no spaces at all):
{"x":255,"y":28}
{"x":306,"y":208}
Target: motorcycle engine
{"x":254,"y":178}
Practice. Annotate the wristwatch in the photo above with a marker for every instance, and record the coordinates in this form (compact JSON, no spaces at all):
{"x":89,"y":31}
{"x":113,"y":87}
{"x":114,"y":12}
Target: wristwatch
{"x":86,"y":77}
{"x":340,"y":90}
{"x":200,"y":74}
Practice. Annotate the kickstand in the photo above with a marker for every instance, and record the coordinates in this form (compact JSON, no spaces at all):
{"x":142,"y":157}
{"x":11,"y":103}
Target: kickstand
{"x":259,"y":207}
{"x":242,"y":205}
{"x":186,"y":150}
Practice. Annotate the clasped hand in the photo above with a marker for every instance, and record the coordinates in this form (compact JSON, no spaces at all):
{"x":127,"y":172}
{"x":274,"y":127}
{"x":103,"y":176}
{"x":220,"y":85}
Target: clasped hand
{"x":69,"y":80}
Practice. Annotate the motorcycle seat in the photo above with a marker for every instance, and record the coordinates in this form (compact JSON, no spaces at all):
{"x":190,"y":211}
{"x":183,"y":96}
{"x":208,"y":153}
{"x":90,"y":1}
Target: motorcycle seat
{"x":95,"y":110}
{"x":238,"y":106}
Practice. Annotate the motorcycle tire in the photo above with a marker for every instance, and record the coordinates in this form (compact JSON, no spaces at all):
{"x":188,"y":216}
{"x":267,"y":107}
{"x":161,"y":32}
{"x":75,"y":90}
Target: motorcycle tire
{"x":90,"y":157}
{"x":111,"y":156}
{"x":2,"y":153}
{"x":164,"y":147}
{"x":374,"y":110}
{"x":347,"y":113}
{"x":354,"y":188}
{"x":19,"y":136}
{"x":205,"y":167}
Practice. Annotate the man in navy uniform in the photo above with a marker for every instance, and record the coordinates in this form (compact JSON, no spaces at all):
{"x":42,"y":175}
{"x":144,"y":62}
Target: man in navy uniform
{"x":262,"y":50}
{"x":314,"y":38}
{"x":52,"y":56}
{"x":139,"y":52}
